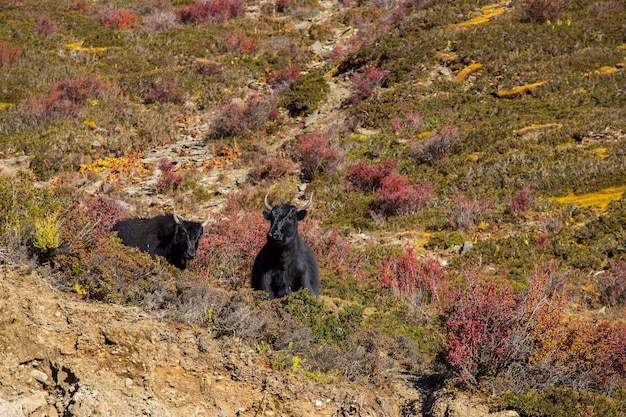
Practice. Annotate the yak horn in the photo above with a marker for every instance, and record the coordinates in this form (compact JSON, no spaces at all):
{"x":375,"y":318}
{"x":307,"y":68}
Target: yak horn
{"x":177,"y":218}
{"x":308,"y":203}
{"x":267,"y":205}
{"x":207,"y":221}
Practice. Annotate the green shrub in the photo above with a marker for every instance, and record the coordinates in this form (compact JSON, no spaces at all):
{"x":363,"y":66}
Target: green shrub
{"x":327,"y":326}
{"x":562,"y":402}
{"x":305,"y":94}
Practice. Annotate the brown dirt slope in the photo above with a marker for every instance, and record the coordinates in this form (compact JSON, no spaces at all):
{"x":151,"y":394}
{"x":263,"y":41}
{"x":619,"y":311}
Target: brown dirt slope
{"x":62,"y":356}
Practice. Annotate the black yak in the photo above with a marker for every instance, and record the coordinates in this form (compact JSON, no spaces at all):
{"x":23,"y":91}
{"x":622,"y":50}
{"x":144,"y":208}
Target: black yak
{"x":166,"y":235}
{"x":285,"y":264}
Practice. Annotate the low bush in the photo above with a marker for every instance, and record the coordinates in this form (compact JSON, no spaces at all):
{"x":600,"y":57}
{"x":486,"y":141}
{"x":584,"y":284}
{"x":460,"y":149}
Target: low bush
{"x":422,"y":282}
{"x":170,"y":179}
{"x":166,"y":93}
{"x":238,"y":43}
{"x":397,"y":196}
{"x":305,"y":94}
{"x":522,"y":200}
{"x":8,"y":54}
{"x":365,"y":83}
{"x":368,"y":178}
{"x":464,"y":213}
{"x":270,"y":168}
{"x":611,"y":285}
{"x":317,"y":154}
{"x":562,"y":402}
{"x":540,"y":11}
{"x":118,"y":19}
{"x":44,"y":26}
{"x":238,"y":118}
{"x":213,"y":11}
{"x":435,"y":148}
{"x":492,"y":332}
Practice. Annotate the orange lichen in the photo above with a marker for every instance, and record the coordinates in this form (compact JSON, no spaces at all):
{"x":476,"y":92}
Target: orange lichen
{"x":602,"y":70}
{"x":465,"y":72}
{"x":537,"y":128}
{"x":489,"y":12}
{"x":519,"y":90}
{"x":78,"y":46}
{"x":600,"y":199}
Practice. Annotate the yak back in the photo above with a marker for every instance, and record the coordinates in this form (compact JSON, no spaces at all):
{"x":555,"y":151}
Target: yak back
{"x":162,"y":236}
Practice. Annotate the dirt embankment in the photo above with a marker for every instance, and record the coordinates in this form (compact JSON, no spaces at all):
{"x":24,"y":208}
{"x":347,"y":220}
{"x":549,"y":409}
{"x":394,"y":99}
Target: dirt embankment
{"x":62,"y":356}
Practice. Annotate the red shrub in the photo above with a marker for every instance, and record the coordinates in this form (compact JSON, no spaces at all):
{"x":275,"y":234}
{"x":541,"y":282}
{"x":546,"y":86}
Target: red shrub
{"x":284,"y":76}
{"x":159,"y":21}
{"x":8,"y":53}
{"x":540,"y":11}
{"x":270,"y":168}
{"x":163,"y":94}
{"x":366,"y":82}
{"x":79,"y":5}
{"x":491,"y":331}
{"x":101,"y":212}
{"x":67,"y":98}
{"x":317,"y":154}
{"x":412,"y":118}
{"x":408,"y":277}
{"x":398,"y":197}
{"x":436,"y":148}
{"x":118,"y":19}
{"x":368,"y":178}
{"x":234,"y":118}
{"x":238,"y":43}
{"x":228,"y":247}
{"x":44,"y":26}
{"x":215,"y":11}
{"x":522,"y":200}
{"x":465,"y":214}
{"x":207,"y":68}
{"x":612,"y":284}
{"x":614,"y":358}
{"x":169,"y":180}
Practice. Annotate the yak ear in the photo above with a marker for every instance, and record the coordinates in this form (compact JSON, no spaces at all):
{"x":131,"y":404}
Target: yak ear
{"x":301,"y":214}
{"x":267,"y":214}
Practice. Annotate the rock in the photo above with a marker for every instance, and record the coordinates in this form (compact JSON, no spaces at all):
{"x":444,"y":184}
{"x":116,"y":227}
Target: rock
{"x":450,"y":405}
{"x":466,"y":247}
{"x":34,"y":402}
{"x":39,"y":376}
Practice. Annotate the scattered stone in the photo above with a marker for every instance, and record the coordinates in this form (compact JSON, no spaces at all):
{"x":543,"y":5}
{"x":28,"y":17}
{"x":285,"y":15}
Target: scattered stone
{"x":34,"y":402}
{"x":466,"y":247}
{"x":39,"y":376}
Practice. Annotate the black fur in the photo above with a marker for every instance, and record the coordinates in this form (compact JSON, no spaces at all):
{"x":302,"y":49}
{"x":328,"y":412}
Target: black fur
{"x":285,"y":264}
{"x":165,"y":235}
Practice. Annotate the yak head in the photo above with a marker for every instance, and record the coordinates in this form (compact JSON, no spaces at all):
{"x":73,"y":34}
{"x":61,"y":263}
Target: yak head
{"x":186,"y":236}
{"x":284,"y":222}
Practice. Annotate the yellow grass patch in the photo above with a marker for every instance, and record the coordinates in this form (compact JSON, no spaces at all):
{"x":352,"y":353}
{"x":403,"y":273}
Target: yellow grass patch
{"x":6,"y":105}
{"x":78,"y":46}
{"x":600,"y":199}
{"x":463,"y":74}
{"x":489,"y":12}
{"x":519,"y":90}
